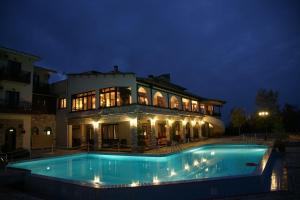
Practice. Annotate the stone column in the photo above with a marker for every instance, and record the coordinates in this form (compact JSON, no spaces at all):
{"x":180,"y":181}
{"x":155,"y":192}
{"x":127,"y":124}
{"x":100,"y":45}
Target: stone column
{"x":83,"y":134}
{"x":153,"y":135}
{"x":168,"y":130}
{"x":69,"y":136}
{"x":133,"y":132}
{"x":192,"y":130}
{"x":98,"y":137}
{"x":97,"y":99}
{"x":200,"y":130}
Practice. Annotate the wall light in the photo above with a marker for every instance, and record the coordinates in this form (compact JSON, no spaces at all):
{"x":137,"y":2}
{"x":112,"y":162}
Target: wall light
{"x":152,"y":120}
{"x":133,"y":122}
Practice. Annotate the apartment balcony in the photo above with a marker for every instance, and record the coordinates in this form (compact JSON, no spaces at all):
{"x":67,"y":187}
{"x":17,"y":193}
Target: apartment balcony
{"x":22,"y":107}
{"x":21,"y":76}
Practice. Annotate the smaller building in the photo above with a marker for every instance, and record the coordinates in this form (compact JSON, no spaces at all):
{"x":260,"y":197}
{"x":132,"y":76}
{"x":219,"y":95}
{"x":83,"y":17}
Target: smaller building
{"x":27,"y":107}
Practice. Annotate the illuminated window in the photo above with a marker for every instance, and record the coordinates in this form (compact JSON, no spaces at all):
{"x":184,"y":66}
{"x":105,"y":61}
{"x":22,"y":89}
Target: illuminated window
{"x":195,"y":107}
{"x":202,"y":108}
{"x":115,"y":96}
{"x":159,"y":100}
{"x":174,"y":103}
{"x":62,"y":103}
{"x":186,"y":104}
{"x":84,"y":101}
{"x":142,"y":96}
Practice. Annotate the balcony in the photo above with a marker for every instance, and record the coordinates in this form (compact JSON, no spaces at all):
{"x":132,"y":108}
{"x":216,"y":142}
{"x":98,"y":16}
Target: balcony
{"x":21,"y":76}
{"x":21,"y":107}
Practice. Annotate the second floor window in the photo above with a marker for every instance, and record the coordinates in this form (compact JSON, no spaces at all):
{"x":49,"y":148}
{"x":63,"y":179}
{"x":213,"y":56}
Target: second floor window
{"x":186,"y":104}
{"x":84,"y":101}
{"x":12,"y":98}
{"x":195,"y":107}
{"x":62,"y":103}
{"x":116,"y":96}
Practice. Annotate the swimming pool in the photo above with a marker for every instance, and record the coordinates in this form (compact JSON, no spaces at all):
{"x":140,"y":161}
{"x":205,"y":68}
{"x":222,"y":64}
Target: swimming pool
{"x":210,"y":161}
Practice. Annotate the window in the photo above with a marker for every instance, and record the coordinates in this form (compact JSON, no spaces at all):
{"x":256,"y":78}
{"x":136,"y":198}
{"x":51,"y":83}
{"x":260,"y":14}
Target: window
{"x":62,"y":103}
{"x":12,"y":98}
{"x":202,"y":109}
{"x":159,"y":100}
{"x":35,"y":130}
{"x":142,"y":96}
{"x":116,"y":96}
{"x":109,"y":131}
{"x":195,"y":106}
{"x":174,"y":103}
{"x":186,"y":104}
{"x":84,"y":101}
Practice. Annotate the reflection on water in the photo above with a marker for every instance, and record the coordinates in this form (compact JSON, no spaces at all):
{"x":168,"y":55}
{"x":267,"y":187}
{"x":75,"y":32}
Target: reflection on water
{"x":279,"y":177}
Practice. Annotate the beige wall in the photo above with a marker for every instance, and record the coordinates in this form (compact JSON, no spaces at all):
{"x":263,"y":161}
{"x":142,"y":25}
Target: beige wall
{"x":19,"y":122}
{"x":26,"y":65}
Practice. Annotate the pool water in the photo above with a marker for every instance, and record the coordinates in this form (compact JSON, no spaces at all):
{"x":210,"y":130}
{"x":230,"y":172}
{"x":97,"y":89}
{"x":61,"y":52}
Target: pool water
{"x":203,"y":162}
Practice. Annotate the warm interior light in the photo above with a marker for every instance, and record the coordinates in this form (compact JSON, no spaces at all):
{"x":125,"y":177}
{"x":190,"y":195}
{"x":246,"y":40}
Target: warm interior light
{"x":202,"y":122}
{"x":193,"y":123}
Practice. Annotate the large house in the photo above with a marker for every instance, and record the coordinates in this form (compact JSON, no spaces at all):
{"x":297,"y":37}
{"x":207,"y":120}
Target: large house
{"x":27,"y":108}
{"x":120,"y":109}
{"x":96,"y":109}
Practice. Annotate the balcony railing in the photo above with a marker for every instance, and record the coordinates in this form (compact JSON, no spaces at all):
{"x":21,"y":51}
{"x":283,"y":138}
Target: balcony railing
{"x":21,"y":76}
{"x":21,"y":107}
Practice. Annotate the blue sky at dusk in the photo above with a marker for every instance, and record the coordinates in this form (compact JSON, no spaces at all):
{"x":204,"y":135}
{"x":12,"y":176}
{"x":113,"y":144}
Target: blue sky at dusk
{"x":215,"y":48}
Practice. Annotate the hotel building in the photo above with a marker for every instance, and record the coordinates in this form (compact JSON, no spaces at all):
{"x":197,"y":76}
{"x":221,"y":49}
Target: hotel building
{"x":119,"y":109}
{"x":100,"y":110}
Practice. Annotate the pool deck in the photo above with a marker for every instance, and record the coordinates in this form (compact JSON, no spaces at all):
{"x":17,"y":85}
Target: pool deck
{"x":291,"y":158}
{"x":159,"y":150}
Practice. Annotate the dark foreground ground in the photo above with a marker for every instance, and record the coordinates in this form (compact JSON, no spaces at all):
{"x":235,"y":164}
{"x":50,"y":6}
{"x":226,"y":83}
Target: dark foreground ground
{"x":290,"y":189}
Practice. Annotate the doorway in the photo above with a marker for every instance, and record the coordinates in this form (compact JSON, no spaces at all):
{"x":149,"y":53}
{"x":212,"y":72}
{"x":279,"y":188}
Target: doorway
{"x":10,"y":139}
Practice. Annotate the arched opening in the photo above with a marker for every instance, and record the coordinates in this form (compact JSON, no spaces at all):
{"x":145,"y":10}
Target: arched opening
{"x":188,"y":131}
{"x":159,"y":100}
{"x":35,"y":131}
{"x":174,"y":102}
{"x":142,"y":96}
{"x":10,"y":139}
{"x":175,"y":131}
{"x":196,"y":130}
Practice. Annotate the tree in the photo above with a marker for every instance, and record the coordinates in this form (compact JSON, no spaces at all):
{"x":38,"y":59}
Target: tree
{"x":291,"y":118}
{"x":238,"y":118}
{"x":267,"y":100}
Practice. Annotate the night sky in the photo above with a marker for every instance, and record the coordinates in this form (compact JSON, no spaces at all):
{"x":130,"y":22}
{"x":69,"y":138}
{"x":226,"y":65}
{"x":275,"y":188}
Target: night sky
{"x":215,"y":48}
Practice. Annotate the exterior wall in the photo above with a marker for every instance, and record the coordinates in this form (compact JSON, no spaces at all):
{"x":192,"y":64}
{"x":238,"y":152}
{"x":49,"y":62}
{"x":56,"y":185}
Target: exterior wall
{"x":41,"y":122}
{"x":24,"y":88}
{"x":22,"y":125}
{"x":95,"y":82}
{"x":124,"y":131}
